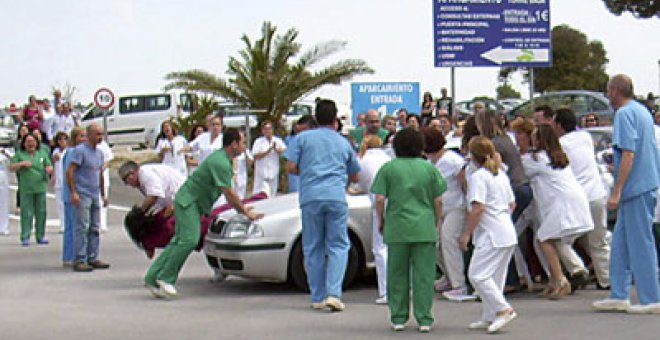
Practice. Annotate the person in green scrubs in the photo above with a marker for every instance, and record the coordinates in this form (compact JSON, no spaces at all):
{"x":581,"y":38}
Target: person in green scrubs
{"x":33,"y":165}
{"x":412,"y":188}
{"x":196,"y":197}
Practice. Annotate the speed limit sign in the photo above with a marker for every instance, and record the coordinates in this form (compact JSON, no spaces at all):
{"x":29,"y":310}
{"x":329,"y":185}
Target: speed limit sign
{"x":104,"y":98}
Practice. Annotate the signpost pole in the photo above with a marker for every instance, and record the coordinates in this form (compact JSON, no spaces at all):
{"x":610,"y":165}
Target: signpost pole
{"x":452,"y":85}
{"x":531,"y":84}
{"x":105,"y":125}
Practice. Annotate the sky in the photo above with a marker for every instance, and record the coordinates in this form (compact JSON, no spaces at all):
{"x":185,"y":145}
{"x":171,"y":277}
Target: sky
{"x":130,"y":45}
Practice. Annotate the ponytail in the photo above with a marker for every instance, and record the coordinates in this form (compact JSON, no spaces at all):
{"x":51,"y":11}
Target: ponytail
{"x":491,"y":165}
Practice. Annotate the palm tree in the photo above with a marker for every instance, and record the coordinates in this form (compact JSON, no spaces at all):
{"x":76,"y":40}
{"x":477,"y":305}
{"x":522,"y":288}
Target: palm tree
{"x":265,"y":76}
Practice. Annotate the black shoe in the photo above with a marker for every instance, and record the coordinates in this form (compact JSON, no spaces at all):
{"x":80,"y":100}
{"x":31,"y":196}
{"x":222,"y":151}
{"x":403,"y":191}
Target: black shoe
{"x":82,"y":267}
{"x":97,"y":264}
{"x":579,"y":280}
{"x":599,"y":287}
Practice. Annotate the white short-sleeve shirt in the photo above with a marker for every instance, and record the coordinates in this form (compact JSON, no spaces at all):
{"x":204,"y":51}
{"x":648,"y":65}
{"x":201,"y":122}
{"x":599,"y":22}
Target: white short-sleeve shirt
{"x":205,"y":146}
{"x":579,"y":147}
{"x":450,"y":165}
{"x":495,"y":193}
{"x":174,"y":158}
{"x":267,"y":167}
{"x":161,"y":181}
{"x":370,"y":163}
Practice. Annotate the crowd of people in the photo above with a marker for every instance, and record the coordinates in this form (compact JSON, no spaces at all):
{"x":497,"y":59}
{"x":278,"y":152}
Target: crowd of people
{"x":495,"y":204}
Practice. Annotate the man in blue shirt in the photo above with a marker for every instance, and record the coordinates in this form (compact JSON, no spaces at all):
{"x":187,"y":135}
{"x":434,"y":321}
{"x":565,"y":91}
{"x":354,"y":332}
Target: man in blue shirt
{"x":325,"y":162}
{"x":637,"y":177}
{"x":85,"y":181}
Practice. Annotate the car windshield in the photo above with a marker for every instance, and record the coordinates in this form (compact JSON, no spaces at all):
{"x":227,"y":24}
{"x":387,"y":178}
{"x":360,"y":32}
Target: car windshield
{"x":602,"y":139}
{"x":7,"y":121}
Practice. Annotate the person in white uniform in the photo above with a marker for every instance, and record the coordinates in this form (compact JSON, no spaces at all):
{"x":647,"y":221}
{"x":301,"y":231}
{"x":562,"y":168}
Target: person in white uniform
{"x":169,"y":148}
{"x":449,"y":256}
{"x":267,"y":150}
{"x":579,"y":148}
{"x":561,"y":203}
{"x":241,"y":164}
{"x":372,"y":157}
{"x":62,"y":121}
{"x":157,"y":182}
{"x":107,"y":157}
{"x":4,"y":191}
{"x":208,"y":141}
{"x":61,"y":141}
{"x":490,"y":203}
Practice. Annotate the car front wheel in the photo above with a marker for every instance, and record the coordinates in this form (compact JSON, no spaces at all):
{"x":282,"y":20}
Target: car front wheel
{"x":298,"y":276}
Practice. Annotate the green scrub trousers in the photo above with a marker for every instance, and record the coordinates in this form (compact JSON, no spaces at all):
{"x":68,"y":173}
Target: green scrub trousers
{"x":404,"y":259}
{"x":33,"y":212}
{"x":186,"y":237}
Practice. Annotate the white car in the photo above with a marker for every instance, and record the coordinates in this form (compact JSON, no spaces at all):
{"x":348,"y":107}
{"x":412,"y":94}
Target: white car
{"x":270,"y":249}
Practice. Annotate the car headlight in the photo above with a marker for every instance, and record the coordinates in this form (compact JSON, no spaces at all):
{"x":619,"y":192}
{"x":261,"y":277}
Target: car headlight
{"x":240,"y":226}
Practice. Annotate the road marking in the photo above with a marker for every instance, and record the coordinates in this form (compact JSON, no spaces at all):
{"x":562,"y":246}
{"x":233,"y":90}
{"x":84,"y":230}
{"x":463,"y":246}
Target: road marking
{"x":49,"y":195}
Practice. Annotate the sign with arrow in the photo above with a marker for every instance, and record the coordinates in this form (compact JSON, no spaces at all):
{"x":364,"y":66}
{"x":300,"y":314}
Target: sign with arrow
{"x":470,"y":33}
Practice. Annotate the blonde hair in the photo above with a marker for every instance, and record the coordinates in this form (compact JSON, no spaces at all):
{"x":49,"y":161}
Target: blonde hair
{"x":74,"y":135}
{"x":369,"y":142}
{"x":522,"y":125}
{"x":483,"y":151}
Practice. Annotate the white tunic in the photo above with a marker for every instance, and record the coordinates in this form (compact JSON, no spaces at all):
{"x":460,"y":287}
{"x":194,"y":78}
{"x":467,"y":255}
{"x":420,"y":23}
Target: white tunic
{"x":579,"y":147}
{"x":449,"y":165}
{"x":495,"y":227}
{"x":107,"y":157}
{"x":268,"y":167}
{"x":370,"y":163}
{"x":241,"y":167}
{"x":562,"y":204}
{"x":59,"y":122}
{"x":161,"y":181}
{"x":205,"y":146}
{"x":57,"y":168}
{"x":174,"y":158}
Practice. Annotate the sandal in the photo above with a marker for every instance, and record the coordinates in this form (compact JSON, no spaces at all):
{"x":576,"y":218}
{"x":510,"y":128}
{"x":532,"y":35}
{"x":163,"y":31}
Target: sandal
{"x":562,"y":288}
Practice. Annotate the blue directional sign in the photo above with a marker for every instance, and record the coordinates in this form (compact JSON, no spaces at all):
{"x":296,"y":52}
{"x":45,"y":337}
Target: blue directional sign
{"x":492,"y":33}
{"x":386,"y":98}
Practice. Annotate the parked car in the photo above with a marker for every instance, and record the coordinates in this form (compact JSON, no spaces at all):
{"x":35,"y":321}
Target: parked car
{"x":466,"y":108}
{"x":510,"y":103}
{"x":581,"y":102}
{"x":602,"y":137}
{"x":8,"y":126}
{"x":270,"y":249}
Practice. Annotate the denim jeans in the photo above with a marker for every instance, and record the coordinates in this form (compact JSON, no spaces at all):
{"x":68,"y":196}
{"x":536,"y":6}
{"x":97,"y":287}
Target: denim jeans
{"x":68,"y":244}
{"x":325,"y":247}
{"x":87,"y":229}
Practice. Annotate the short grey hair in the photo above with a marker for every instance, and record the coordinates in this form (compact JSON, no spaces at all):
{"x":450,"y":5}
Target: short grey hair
{"x":127,"y":168}
{"x":623,"y":84}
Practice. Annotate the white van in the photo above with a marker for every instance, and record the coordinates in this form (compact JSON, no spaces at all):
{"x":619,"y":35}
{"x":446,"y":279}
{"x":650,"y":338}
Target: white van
{"x":135,"y":119}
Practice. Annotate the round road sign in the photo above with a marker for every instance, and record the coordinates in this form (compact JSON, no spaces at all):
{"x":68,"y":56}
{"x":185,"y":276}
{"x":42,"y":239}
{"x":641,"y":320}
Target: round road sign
{"x":104,"y":98}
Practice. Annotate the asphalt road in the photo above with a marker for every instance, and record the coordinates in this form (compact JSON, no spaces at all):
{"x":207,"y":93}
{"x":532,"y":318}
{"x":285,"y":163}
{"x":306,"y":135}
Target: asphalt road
{"x":39,"y":299}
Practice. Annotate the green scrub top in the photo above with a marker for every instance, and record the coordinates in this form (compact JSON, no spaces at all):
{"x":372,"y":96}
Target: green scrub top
{"x":411,"y":186}
{"x":203,"y":186}
{"x":32,"y":180}
{"x":358,"y":135}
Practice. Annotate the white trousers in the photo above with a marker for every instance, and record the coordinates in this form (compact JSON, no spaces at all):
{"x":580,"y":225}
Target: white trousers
{"x":595,"y":241}
{"x":240,"y":187}
{"x":379,"y":248}
{"x":487,"y":274}
{"x":259,"y":185}
{"x":4,"y":204}
{"x":59,"y":204}
{"x":450,"y":255}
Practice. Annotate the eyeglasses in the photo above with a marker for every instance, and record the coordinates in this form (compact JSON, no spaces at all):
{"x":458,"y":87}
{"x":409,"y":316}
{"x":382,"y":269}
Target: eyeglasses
{"x":373,"y":121}
{"x":590,"y":120}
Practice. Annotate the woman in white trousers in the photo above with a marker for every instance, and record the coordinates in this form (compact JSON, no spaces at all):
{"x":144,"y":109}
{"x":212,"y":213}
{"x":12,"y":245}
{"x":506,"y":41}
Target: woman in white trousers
{"x":372,"y":157}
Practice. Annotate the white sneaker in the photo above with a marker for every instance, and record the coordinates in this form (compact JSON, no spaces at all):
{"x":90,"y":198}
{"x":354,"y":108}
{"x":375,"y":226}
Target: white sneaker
{"x":398,"y":327}
{"x":651,"y":308}
{"x":459,"y":295}
{"x":442,"y":284}
{"x":156,"y":292}
{"x":501,"y":321}
{"x":166,"y":288}
{"x":481,"y":324}
{"x":4,"y":232}
{"x":334,"y":304}
{"x":611,"y":305}
{"x":318,"y":305}
{"x":424,"y":329}
{"x":381,"y":300}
